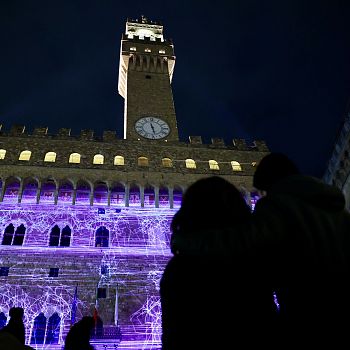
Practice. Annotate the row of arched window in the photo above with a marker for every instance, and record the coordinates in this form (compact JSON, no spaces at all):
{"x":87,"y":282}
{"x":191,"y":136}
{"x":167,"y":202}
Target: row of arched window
{"x":83,"y":193}
{"x":57,"y":238}
{"x":98,"y":159}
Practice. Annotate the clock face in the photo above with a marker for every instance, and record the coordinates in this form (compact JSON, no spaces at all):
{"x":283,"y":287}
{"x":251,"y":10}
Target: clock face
{"x":152,"y":128}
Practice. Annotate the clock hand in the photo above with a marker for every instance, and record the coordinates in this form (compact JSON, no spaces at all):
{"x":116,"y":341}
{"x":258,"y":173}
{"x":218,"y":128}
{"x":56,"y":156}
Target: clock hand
{"x":152,"y":127}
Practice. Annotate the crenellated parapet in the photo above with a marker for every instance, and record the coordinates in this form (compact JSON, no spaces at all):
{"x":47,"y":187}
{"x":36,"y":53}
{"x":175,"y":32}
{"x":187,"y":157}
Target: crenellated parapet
{"x":110,"y":136}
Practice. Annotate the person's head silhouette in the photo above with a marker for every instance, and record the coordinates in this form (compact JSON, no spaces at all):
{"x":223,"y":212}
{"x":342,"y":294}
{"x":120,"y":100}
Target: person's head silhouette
{"x":210,"y":203}
{"x":273,"y":168}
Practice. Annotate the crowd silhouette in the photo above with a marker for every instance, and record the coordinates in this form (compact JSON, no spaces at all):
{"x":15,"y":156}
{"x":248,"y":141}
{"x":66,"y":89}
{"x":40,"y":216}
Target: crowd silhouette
{"x":294,"y":248}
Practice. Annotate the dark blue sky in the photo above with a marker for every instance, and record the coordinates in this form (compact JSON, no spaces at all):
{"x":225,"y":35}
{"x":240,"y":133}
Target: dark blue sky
{"x":272,"y":70}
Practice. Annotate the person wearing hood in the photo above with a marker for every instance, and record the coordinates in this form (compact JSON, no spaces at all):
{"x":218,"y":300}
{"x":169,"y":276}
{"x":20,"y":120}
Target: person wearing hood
{"x":301,"y":245}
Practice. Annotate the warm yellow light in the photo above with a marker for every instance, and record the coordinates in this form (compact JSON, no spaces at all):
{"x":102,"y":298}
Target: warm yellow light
{"x":50,"y":157}
{"x":213,"y":165}
{"x":74,"y":158}
{"x":2,"y":153}
{"x":142,"y":161}
{"x":25,"y":155}
{"x":98,"y":159}
{"x":236,"y":166}
{"x":190,"y":164}
{"x":167,"y":162}
{"x":118,"y":160}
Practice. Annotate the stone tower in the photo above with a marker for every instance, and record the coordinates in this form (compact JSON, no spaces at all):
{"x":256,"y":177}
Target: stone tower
{"x":145,"y":72}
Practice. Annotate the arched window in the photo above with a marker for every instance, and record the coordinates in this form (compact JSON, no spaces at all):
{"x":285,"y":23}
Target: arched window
{"x":142,"y":161}
{"x":54,"y":236}
{"x":167,"y":163}
{"x":102,"y":237}
{"x":25,"y":155}
{"x":19,"y":235}
{"x":213,"y":165}
{"x":30,"y":190}
{"x":149,"y":196}
{"x":39,"y":329}
{"x":12,"y":237}
{"x":53,"y":329}
{"x":74,"y":158}
{"x":50,"y":157}
{"x":190,"y":164}
{"x":236,"y":166}
{"x":98,"y":159}
{"x":118,"y":160}
{"x":65,"y":236}
{"x":2,"y":153}
{"x":8,"y":235}
{"x":3,"y":320}
{"x":118,"y":194}
{"x":58,"y":238}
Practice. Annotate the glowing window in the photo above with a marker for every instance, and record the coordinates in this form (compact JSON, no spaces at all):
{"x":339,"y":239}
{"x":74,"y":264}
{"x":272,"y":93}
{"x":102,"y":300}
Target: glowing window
{"x":133,"y":48}
{"x":236,"y":166}
{"x":50,"y":157}
{"x":190,"y":164}
{"x":161,"y":51}
{"x":74,"y":158}
{"x":98,"y":159}
{"x":2,"y":153}
{"x":213,"y":165}
{"x":142,"y":161}
{"x":118,"y":160}
{"x":167,"y":162}
{"x":147,"y":50}
{"x":25,"y":155}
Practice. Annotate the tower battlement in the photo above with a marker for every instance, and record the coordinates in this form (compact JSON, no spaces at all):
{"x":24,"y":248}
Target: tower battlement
{"x":110,"y":136}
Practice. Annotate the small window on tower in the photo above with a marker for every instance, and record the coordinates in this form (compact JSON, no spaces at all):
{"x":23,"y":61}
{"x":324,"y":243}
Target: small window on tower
{"x":25,"y":155}
{"x":133,"y":48}
{"x":2,"y":153}
{"x":148,"y":50}
{"x":162,"y":51}
{"x":148,"y":77}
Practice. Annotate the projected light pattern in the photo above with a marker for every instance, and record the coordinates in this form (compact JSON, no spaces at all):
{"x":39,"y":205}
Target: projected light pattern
{"x":47,"y":300}
{"x":129,"y":267}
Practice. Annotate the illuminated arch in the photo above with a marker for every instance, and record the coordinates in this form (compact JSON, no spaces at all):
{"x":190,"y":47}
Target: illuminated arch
{"x":50,"y":157}
{"x":190,"y":164}
{"x":236,"y":166}
{"x":142,"y":161}
{"x":213,"y":165}
{"x":102,"y":237}
{"x":167,"y":163}
{"x":149,"y":196}
{"x":119,"y":160}
{"x":25,"y":155}
{"x":74,"y":158}
{"x":98,"y":159}
{"x":2,"y":153}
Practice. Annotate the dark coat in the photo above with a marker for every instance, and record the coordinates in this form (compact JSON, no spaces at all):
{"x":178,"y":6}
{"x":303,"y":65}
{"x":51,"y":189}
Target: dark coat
{"x":214,"y":303}
{"x":303,"y":231}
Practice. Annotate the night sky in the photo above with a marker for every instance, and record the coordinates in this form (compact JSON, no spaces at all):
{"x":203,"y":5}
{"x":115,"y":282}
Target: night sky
{"x":272,"y":70}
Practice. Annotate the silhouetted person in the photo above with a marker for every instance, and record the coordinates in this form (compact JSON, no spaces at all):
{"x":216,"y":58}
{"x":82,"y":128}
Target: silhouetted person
{"x":78,"y":337}
{"x":15,"y":325}
{"x":301,"y":238}
{"x":211,"y":301}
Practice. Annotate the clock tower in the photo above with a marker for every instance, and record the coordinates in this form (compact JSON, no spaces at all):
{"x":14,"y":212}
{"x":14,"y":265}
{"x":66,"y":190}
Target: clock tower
{"x":145,"y":72}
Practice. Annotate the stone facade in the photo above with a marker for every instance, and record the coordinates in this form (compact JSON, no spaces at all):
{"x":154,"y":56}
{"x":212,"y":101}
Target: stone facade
{"x":85,"y":219}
